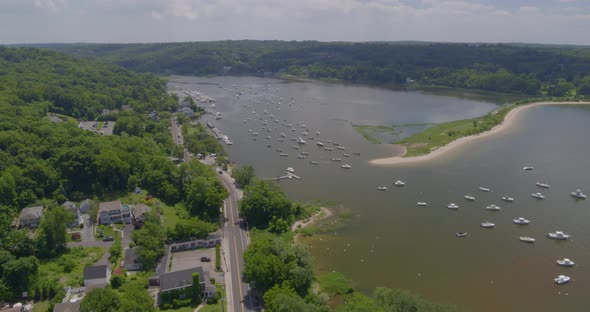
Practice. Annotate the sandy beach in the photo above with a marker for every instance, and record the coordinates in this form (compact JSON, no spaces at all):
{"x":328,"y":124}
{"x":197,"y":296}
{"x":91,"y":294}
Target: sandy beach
{"x":505,"y":124}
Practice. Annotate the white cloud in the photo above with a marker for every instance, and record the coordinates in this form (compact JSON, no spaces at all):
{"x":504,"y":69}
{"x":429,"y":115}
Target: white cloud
{"x":52,"y":5}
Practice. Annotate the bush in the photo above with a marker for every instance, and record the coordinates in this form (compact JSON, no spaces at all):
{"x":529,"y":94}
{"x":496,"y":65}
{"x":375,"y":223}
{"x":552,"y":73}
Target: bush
{"x":218,"y":257}
{"x":117,"y":281}
{"x":179,"y":303}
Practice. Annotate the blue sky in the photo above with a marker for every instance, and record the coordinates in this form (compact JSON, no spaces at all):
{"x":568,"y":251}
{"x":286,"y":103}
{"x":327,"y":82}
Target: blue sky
{"x":538,"y":21}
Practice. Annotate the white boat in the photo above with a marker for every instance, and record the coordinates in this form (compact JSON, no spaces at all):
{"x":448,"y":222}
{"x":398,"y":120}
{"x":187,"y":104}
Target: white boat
{"x":521,"y":221}
{"x":305,"y":153}
{"x":283,"y":135}
{"x":340,"y":148}
{"x":345,"y":155}
{"x":329,"y":149}
{"x":280,"y":140}
{"x":538,"y":196}
{"x":346,"y":166}
{"x":336,"y":159}
{"x":254,"y":133}
{"x":284,"y":155}
{"x":291,"y":170}
{"x":268,"y":137}
{"x":461,"y":234}
{"x":301,"y":156}
{"x":399,"y":183}
{"x":543,"y":185}
{"x":317,"y":133}
{"x":565,"y":262}
{"x":469,"y":197}
{"x":562,"y":279}
{"x":527,"y":239}
{"x":493,"y":207}
{"x":295,"y":147}
{"x":314,"y":162}
{"x":558,"y":235}
{"x":507,"y":199}
{"x":487,"y":225}
{"x":300,"y":141}
{"x":279,"y":150}
{"x":453,"y":206}
{"x":578,"y":194}
{"x":421,"y":204}
{"x":319,"y":143}
{"x":484,"y":189}
{"x":528,"y":168}
{"x":382,"y":188}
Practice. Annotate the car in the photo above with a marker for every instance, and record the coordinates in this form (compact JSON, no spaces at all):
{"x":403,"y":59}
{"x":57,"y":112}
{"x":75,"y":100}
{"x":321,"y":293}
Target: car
{"x":205,"y":259}
{"x":108,"y":239}
{"x":220,"y":172}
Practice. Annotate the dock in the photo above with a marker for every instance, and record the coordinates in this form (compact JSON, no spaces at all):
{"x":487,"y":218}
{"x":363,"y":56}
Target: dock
{"x":288,"y":176}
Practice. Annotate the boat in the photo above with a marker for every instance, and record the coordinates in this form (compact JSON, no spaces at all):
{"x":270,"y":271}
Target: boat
{"x":399,"y":183}
{"x":527,"y":239}
{"x":528,"y":168}
{"x":319,"y":143}
{"x":279,"y":150}
{"x":461,"y":234}
{"x":254,"y":133}
{"x":421,"y":204}
{"x":453,"y":206}
{"x":304,"y":153}
{"x":558,"y":235}
{"x":280,"y":140}
{"x":317,"y":133}
{"x":507,"y":199}
{"x":565,"y":262}
{"x":346,"y":166}
{"x":293,"y":139}
{"x":578,"y":194}
{"x":314,"y":162}
{"x":562,"y":279}
{"x":521,"y":221}
{"x":283,"y":135}
{"x":487,"y":225}
{"x":340,"y":148}
{"x":538,"y":196}
{"x":382,"y":188}
{"x":300,"y":156}
{"x":336,"y":159}
{"x":357,"y":154}
{"x":328,"y":149}
{"x":291,"y":170}
{"x":484,"y":189}
{"x":268,"y":145}
{"x":345,"y":155}
{"x":469,"y":197}
{"x":284,"y":154}
{"x":268,"y":137}
{"x":493,"y":207}
{"x":542,"y":184}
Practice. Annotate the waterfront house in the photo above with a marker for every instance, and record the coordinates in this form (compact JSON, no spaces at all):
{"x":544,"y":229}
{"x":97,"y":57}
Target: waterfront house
{"x":30,"y":217}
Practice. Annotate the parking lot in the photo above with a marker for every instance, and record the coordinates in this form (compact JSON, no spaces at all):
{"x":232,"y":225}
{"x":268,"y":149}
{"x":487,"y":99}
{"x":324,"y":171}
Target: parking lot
{"x":106,"y":129}
{"x":191,"y":258}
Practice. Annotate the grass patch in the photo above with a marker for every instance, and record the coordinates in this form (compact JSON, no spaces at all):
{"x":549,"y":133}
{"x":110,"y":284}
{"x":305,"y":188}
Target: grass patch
{"x":218,"y":306}
{"x":100,"y":125}
{"x":107,"y":231}
{"x":335,"y":283}
{"x":41,"y":306}
{"x":68,"y":267}
{"x":371,"y":133}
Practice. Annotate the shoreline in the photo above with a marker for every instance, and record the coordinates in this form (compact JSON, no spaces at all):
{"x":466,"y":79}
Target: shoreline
{"x":322,"y":214}
{"x":505,"y":124}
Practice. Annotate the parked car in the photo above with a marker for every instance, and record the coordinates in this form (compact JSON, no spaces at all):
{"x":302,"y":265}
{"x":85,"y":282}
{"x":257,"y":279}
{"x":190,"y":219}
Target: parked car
{"x":220,"y":172}
{"x":108,"y":239}
{"x":205,"y":259}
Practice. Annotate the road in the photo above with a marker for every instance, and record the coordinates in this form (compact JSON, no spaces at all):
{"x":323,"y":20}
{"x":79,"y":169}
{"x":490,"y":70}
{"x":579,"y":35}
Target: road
{"x":88,"y":232}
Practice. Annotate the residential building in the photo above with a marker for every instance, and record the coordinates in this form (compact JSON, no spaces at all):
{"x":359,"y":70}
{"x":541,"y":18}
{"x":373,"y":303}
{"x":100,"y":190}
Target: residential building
{"x":85,"y":205}
{"x":176,"y":284}
{"x":114,"y":212}
{"x":131,"y":260}
{"x":212,"y":240}
{"x":138,"y":214}
{"x":30,"y":217}
{"x":67,"y":307}
{"x":98,"y":275}
{"x":187,"y":112}
{"x":73,"y":209}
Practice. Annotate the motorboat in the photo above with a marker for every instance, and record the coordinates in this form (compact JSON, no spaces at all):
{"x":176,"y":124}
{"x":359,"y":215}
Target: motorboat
{"x":293,"y":139}
{"x":305,"y":153}
{"x":558,"y":235}
{"x":578,"y":194}
{"x":528,"y":168}
{"x":279,"y":150}
{"x":356,"y":153}
{"x":382,"y":188}
{"x":301,"y":156}
{"x":336,"y":159}
{"x":283,"y":135}
{"x":317,"y":133}
{"x":341,"y":148}
{"x":280,"y":140}
{"x":314,"y":162}
{"x":565,"y":262}
{"x":291,"y":170}
{"x":543,"y":185}
{"x":562,"y":279}
{"x":295,"y":147}
{"x":521,"y":221}
{"x":484,"y":189}
{"x":255,"y":133}
{"x":507,"y":199}
{"x":421,"y":204}
{"x":268,"y":145}
{"x":284,"y":154}
{"x":453,"y":206}
{"x":487,"y":225}
{"x":527,"y":239}
{"x":346,"y":166}
{"x":346,"y":155}
{"x":329,"y":149}
{"x":268,"y":137}
{"x":461,"y":234}
{"x":300,"y":141}
{"x":538,"y":196}
{"x":469,"y":197}
{"x":493,"y":207}
{"x":399,"y":183}
{"x":319,"y":143}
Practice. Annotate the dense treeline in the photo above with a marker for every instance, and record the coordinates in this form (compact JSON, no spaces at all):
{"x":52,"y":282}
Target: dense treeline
{"x":533,"y":70}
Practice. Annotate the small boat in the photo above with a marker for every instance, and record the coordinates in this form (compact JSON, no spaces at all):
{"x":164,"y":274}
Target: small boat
{"x":295,"y":147}
{"x":399,"y":183}
{"x":328,"y":149}
{"x":357,"y":154}
{"x":279,"y":150}
{"x":484,"y":189}
{"x":284,"y":155}
{"x":293,"y":139}
{"x":340,"y":148}
{"x":528,"y":168}
{"x":280,"y":140}
{"x":421,"y":204}
{"x":487,"y":225}
{"x":578,"y":194}
{"x":558,"y":235}
{"x":291,"y":170}
{"x":453,"y":206}
{"x":317,"y":133}
{"x":268,"y":137}
{"x":301,"y":156}
{"x":382,"y":188}
{"x":346,"y":166}
{"x":469,"y":197}
{"x":493,"y":207}
{"x":345,"y":155}
{"x":565,"y":262}
{"x":304,"y":153}
{"x":313,"y":162}
{"x":562,"y":279}
{"x":461,"y":234}
{"x":507,"y":199}
{"x":318,"y":143}
{"x":527,"y":239}
{"x":521,"y":221}
{"x":538,"y":196}
{"x":336,"y":159}
{"x":300,"y":141}
{"x":268,"y":145}
{"x":542,"y":184}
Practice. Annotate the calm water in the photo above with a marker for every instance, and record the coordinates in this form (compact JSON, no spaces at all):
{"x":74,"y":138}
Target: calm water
{"x":389,"y":241}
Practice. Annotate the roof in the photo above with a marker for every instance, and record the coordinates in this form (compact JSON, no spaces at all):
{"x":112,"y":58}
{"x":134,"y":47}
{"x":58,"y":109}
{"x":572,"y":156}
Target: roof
{"x":69,"y":204}
{"x":110,"y":206}
{"x":131,"y":256}
{"x":67,"y":307}
{"x":139,"y":210}
{"x":86,"y":203}
{"x":181,"y":278}
{"x":94,"y":272}
{"x":31,"y":212}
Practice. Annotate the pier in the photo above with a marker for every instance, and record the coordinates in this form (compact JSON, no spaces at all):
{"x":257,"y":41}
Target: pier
{"x":289,"y":175}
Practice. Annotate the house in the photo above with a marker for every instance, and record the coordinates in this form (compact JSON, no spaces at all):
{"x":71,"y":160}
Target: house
{"x":138,"y":214}
{"x":73,"y":209}
{"x":211,"y":241}
{"x":30,"y":216}
{"x":114,"y":212}
{"x":85,"y":205}
{"x":98,"y":275}
{"x":176,"y":285}
{"x":187,"y":112}
{"x":67,"y":307}
{"x":131,"y":261}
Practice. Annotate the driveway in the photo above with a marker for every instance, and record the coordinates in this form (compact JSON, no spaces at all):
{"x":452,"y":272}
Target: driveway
{"x":88,"y":233}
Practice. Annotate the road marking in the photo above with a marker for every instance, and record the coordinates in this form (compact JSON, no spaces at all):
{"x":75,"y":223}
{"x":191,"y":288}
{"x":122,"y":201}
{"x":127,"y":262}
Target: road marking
{"x":231,"y":215}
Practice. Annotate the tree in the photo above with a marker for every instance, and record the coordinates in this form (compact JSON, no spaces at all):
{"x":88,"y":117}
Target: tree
{"x":115,"y":251}
{"x":264,"y":201}
{"x":135,"y":297}
{"x":357,"y":302}
{"x":51,"y":234}
{"x":196,"y":299}
{"x":150,"y":241}
{"x":399,"y":300}
{"x":243,"y":175}
{"x":100,"y":300}
{"x":19,"y":273}
{"x":285,"y":299}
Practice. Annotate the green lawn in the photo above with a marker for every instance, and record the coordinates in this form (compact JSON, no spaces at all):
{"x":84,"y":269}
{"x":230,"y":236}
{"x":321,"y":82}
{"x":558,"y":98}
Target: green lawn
{"x":335,"y":283}
{"x":218,"y":306}
{"x":41,"y":306}
{"x":107,"y":230}
{"x":68,"y":267}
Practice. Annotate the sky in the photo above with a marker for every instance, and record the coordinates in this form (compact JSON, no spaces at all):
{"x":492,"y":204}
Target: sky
{"x":123,"y":21}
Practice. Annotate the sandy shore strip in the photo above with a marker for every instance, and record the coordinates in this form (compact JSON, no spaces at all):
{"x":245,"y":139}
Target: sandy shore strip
{"x":323,"y":213}
{"x":505,"y":124}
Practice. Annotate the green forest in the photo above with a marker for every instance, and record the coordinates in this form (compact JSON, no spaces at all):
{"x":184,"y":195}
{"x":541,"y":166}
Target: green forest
{"x":520,"y":69}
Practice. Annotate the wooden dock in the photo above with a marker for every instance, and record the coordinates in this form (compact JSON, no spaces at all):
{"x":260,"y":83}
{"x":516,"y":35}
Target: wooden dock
{"x":289,"y":175}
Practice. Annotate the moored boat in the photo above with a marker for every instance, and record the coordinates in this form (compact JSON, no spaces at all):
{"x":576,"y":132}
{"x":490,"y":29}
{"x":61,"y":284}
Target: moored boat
{"x":521,"y":221}
{"x":484,"y":189}
{"x":493,"y":207}
{"x":507,"y":199}
{"x":382,"y":188}
{"x":542,"y":184}
{"x":346,"y":166}
{"x":461,"y":234}
{"x":399,"y":183}
{"x":559,"y":235}
{"x":469,"y":197}
{"x":421,"y":204}
{"x":487,"y":225}
{"x":527,"y":239}
{"x":565,"y":262}
{"x":578,"y":194}
{"x":562,"y":279}
{"x":538,"y":195}
{"x":453,"y":206}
